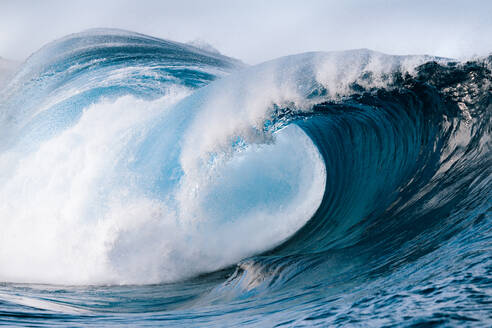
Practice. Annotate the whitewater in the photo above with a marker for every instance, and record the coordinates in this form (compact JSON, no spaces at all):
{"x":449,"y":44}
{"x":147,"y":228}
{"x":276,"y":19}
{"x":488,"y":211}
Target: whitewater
{"x":148,"y":182}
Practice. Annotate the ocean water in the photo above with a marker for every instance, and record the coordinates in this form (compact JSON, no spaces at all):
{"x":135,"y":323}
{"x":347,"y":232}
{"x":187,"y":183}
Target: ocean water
{"x":145,"y":182}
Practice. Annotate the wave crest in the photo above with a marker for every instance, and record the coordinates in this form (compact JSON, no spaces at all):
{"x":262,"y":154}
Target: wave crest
{"x":129,"y":159}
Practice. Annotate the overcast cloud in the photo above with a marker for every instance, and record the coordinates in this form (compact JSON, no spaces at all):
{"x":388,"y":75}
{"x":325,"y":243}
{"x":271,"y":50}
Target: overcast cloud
{"x":255,"y":31}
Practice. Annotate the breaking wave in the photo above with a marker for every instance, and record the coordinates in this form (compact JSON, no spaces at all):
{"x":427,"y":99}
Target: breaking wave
{"x":126,"y":159}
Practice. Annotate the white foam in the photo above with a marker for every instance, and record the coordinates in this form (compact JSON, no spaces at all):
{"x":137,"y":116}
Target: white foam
{"x":71,"y":213}
{"x":52,"y":227}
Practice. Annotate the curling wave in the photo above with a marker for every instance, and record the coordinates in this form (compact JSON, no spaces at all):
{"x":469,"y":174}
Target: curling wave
{"x":126,"y":159}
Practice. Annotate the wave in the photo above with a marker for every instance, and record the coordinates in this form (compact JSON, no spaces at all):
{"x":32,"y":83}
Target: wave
{"x":127,"y":159}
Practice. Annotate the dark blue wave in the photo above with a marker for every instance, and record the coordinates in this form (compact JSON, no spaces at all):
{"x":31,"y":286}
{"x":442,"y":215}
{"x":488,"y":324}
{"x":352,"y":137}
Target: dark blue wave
{"x":402,"y":233}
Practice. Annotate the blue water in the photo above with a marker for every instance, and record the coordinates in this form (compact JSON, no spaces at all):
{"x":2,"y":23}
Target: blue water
{"x":145,"y":182}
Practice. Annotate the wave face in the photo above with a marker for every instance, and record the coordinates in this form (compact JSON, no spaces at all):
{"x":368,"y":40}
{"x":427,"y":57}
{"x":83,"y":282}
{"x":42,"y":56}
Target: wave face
{"x":144,"y":179}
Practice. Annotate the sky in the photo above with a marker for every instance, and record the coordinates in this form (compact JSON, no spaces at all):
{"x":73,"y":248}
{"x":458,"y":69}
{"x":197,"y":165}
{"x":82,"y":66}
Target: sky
{"x":256,"y":31}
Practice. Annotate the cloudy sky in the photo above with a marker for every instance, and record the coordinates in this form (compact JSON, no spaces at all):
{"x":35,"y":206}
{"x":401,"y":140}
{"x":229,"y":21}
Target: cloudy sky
{"x":255,"y":31}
